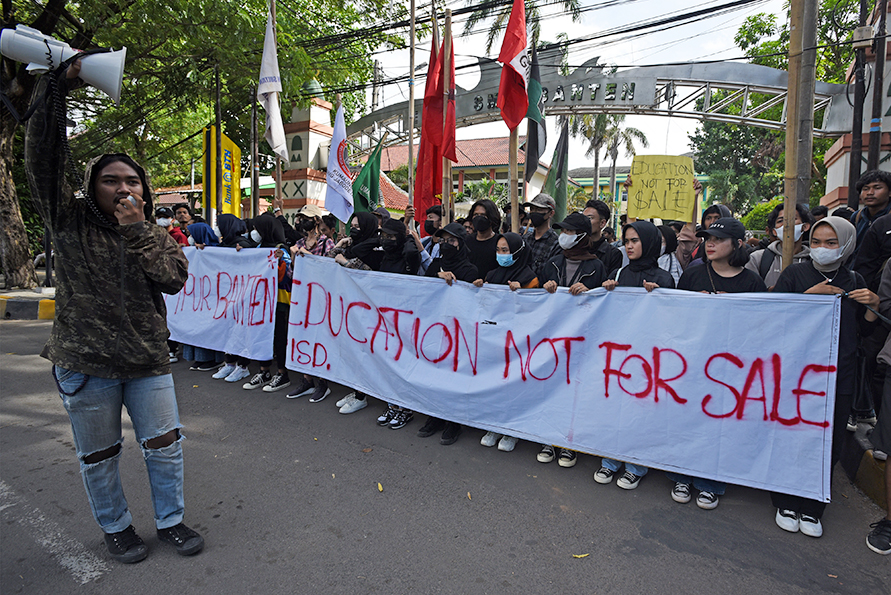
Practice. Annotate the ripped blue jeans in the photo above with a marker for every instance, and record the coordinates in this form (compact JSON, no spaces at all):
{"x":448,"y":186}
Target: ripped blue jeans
{"x":94,"y":407}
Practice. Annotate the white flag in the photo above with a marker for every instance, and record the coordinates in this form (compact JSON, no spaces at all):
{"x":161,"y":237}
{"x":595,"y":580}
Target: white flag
{"x":339,"y":196}
{"x":267,"y":93}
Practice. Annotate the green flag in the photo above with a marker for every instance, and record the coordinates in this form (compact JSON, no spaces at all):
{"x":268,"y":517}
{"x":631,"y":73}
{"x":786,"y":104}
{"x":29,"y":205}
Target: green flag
{"x":367,"y":185}
{"x":536,"y":134}
{"x":558,"y":175}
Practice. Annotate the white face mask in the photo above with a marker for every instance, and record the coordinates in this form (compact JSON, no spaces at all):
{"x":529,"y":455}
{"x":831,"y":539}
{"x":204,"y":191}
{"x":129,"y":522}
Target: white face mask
{"x":191,"y":241}
{"x":255,"y":236}
{"x":662,"y":250}
{"x":165,"y":221}
{"x":798,"y":232}
{"x":825,"y":256}
{"x":567,"y":241}
{"x":216,"y":231}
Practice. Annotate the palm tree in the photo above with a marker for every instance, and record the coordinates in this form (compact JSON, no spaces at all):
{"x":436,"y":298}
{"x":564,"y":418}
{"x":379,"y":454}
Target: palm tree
{"x":619,"y":136}
{"x":502,"y":13}
{"x":592,"y":127}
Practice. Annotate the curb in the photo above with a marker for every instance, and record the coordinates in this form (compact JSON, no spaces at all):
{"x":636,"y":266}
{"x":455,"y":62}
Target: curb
{"x":12,"y":308}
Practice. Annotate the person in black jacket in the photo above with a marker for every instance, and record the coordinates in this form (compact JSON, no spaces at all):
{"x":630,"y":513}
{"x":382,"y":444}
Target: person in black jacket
{"x":575,"y":267}
{"x":598,"y":213}
{"x":833,"y":240}
{"x":452,"y":264}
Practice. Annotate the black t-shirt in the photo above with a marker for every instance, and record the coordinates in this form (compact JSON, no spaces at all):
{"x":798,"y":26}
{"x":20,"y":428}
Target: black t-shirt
{"x":482,"y":254}
{"x":697,"y":278}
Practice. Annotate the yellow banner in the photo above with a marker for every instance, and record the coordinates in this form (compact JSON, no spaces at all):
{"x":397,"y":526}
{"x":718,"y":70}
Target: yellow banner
{"x":662,"y":186}
{"x":231,"y":182}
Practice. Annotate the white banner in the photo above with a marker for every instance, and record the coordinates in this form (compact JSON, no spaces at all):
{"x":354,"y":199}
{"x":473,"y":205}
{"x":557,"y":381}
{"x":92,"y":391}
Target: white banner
{"x":736,"y":387}
{"x":228,"y":301}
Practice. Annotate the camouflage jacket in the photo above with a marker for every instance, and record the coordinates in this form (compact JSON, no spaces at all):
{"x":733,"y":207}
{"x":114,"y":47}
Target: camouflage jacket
{"x":111,"y":320}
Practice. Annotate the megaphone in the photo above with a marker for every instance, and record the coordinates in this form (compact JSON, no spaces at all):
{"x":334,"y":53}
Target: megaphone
{"x":103,"y":70}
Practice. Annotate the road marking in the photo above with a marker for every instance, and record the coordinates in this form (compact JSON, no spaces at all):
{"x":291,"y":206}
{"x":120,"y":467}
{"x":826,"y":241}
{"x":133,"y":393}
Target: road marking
{"x":72,"y":555}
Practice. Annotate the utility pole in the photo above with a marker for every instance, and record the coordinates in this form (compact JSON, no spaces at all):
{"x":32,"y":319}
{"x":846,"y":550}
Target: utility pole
{"x":857,"y":126}
{"x":875,"y":124}
{"x":799,"y":115}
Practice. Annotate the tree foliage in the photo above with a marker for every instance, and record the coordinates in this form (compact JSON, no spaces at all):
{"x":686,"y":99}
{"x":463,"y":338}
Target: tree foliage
{"x":501,"y":13}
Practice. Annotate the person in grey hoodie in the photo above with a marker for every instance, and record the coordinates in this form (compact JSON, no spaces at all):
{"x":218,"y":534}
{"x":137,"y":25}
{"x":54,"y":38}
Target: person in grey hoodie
{"x":768,"y":263}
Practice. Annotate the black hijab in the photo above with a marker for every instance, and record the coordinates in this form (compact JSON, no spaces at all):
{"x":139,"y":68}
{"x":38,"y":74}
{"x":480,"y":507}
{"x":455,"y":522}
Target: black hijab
{"x":650,"y":243}
{"x":270,"y":230}
{"x":519,"y":271}
{"x":671,"y":238}
{"x":458,"y":263}
{"x":368,"y":223}
{"x":231,"y":228}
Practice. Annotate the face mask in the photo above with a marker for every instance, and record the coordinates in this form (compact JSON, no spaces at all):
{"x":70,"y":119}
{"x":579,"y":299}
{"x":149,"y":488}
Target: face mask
{"x":216,"y":231}
{"x":390,"y":244}
{"x":447,"y":250}
{"x":662,"y":250}
{"x":825,"y":256}
{"x":308,"y":225}
{"x":191,"y":241}
{"x":537,"y":219}
{"x":255,"y":236}
{"x":504,"y":260}
{"x":798,"y":232}
{"x":567,"y":241}
{"x":165,"y":221}
{"x":429,"y":228}
{"x":481,"y":223}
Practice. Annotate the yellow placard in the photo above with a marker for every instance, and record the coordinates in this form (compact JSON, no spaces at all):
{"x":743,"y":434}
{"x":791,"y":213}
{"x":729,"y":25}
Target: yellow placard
{"x":662,"y":186}
{"x":231,"y":182}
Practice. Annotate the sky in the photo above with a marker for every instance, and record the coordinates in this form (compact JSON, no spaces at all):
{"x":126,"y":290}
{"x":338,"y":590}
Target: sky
{"x":706,"y":39}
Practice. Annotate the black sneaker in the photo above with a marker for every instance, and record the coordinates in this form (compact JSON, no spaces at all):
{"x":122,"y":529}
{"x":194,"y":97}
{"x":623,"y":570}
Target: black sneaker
{"x":259,"y":379}
{"x":126,"y":546}
{"x":879,"y":539}
{"x":401,"y":420}
{"x":185,"y":540}
{"x":387,"y":416}
{"x":204,"y":366}
{"x":321,"y":391}
{"x":279,"y":381}
{"x":450,"y":433}
{"x":433,"y":425}
{"x":305,"y":387}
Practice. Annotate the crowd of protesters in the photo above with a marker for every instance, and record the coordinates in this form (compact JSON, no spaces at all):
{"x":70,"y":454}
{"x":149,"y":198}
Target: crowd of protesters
{"x":844,"y":253}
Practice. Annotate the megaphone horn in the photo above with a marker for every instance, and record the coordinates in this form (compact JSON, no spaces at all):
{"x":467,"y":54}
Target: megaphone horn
{"x":105,"y":71}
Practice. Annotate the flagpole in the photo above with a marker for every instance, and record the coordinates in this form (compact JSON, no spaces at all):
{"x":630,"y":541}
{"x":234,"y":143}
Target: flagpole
{"x":278,"y":160}
{"x":411,"y":111}
{"x":341,"y":224}
{"x":446,"y":163}
{"x":513,"y":153}
{"x":255,"y":167}
{"x":218,"y":185}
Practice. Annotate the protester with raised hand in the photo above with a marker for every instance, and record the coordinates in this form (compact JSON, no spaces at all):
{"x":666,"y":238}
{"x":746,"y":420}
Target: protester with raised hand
{"x":453,"y":264}
{"x":833,"y":241}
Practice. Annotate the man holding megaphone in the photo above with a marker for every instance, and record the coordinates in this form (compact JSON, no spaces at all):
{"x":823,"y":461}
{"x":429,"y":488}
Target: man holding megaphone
{"x":109,"y":337}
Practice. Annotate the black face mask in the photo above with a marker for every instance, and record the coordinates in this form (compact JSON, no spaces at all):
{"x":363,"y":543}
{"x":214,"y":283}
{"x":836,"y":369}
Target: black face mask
{"x":308,"y":225}
{"x":481,"y":223}
{"x":537,"y":219}
{"x":390,"y":244}
{"x":448,"y":251}
{"x":429,"y":228}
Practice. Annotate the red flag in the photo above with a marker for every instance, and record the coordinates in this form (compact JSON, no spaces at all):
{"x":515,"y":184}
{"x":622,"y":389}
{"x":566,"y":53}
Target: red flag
{"x":512,"y":97}
{"x":449,"y":148}
{"x":428,"y":174}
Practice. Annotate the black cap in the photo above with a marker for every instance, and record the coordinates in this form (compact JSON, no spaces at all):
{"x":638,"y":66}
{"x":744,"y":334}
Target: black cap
{"x":725,"y":227}
{"x":162,"y":212}
{"x":576,"y":222}
{"x":454,"y":229}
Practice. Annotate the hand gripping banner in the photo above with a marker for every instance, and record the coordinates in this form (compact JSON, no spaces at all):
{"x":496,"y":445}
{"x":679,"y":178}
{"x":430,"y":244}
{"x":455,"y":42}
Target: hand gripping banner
{"x":735,"y":387}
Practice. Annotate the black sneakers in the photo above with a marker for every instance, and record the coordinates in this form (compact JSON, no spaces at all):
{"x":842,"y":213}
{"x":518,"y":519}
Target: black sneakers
{"x":432,"y":426}
{"x":126,"y":546}
{"x":450,"y":433}
{"x":186,"y":541}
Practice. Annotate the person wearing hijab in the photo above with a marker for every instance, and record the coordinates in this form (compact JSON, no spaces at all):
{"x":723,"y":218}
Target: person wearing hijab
{"x":272,"y":235}
{"x":232,"y":230}
{"x":513,"y":268}
{"x":452,"y":264}
{"x":833,"y":241}
{"x":363,"y":226}
{"x":513,"y":256}
{"x":643,"y":244}
{"x":668,"y":261}
{"x":201,"y":235}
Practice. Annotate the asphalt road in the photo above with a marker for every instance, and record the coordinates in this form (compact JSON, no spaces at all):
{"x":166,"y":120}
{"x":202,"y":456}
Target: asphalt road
{"x":286,"y":495}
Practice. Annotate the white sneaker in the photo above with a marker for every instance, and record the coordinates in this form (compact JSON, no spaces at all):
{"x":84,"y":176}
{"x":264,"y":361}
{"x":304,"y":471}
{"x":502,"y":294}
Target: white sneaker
{"x":490,"y":439}
{"x":353,"y":405}
{"x":237,"y":374}
{"x":507,"y":443}
{"x":879,"y":455}
{"x":810,"y":526}
{"x":345,"y":400}
{"x":224,"y":371}
{"x":787,"y":520}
